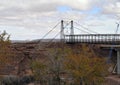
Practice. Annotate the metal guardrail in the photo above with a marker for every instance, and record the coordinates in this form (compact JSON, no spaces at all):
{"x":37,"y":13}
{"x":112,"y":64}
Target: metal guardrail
{"x":93,"y":38}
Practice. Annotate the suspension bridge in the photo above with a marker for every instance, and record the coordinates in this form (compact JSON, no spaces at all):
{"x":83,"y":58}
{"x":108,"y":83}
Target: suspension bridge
{"x":88,"y":36}
{"x":95,"y":38}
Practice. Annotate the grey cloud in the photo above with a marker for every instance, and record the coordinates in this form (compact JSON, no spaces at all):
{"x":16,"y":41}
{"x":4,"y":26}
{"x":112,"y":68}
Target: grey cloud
{"x":112,"y":7}
{"x":43,"y":7}
{"x":46,"y":5}
{"x":32,"y":14}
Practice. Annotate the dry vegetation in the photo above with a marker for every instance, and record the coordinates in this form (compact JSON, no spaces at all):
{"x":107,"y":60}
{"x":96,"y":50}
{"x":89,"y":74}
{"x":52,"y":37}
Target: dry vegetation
{"x":55,"y":65}
{"x":66,"y":67}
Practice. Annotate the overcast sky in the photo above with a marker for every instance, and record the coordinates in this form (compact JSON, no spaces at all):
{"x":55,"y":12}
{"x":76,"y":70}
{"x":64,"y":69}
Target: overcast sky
{"x":32,"y":19}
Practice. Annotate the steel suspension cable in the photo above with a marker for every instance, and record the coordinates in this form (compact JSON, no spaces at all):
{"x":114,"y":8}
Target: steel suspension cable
{"x":86,"y":28}
{"x":82,"y":30}
{"x":48,"y":32}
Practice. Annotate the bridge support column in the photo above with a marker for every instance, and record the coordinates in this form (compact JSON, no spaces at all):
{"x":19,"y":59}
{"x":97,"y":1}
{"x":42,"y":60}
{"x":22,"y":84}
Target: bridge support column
{"x":118,"y":61}
{"x":72,"y":39}
{"x":72,"y":29}
{"x":62,"y":31}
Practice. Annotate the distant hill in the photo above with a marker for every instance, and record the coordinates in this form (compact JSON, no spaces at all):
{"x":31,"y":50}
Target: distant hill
{"x":36,"y":40}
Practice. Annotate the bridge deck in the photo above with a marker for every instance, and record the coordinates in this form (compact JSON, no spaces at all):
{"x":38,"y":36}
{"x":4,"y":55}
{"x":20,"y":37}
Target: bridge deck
{"x":93,"y":38}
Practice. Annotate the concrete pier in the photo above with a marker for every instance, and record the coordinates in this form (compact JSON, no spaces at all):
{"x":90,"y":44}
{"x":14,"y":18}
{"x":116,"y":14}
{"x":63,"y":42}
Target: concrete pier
{"x":118,"y":61}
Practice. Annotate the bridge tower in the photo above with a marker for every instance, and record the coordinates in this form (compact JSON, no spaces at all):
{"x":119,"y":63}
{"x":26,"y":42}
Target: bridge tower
{"x":72,"y":29}
{"x":62,"y":31}
{"x":63,"y":28}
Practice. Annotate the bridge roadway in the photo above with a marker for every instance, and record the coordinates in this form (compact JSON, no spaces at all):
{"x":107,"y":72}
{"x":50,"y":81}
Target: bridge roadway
{"x":93,"y":38}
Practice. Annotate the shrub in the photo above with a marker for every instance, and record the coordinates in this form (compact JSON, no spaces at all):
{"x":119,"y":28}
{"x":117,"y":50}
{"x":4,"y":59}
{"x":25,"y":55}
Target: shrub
{"x":10,"y":80}
{"x":26,"y":79}
{"x":14,"y":80}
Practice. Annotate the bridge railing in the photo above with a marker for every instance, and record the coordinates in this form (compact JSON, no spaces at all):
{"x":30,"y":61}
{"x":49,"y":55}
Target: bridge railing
{"x":93,"y":38}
